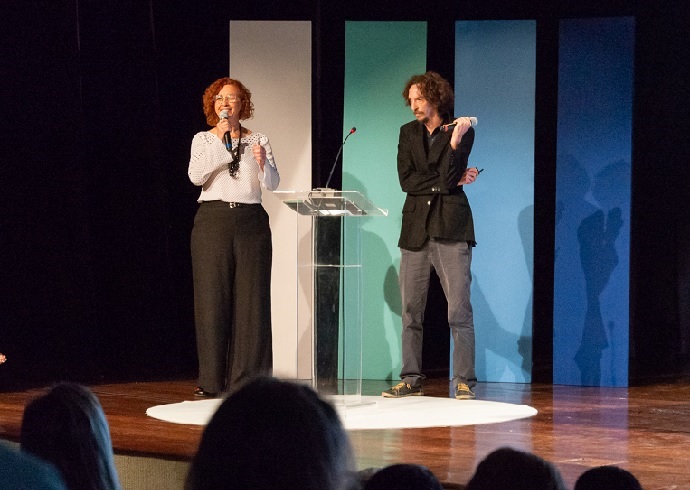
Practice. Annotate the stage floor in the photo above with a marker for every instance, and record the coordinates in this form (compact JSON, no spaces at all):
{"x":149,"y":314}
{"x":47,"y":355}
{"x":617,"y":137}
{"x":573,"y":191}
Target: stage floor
{"x":643,"y":429}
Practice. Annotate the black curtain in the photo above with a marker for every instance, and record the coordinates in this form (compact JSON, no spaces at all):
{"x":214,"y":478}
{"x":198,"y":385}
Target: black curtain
{"x":100,"y":100}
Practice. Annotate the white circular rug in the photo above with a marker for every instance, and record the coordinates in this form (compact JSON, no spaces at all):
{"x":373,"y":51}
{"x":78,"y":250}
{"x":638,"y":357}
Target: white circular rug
{"x":376,"y":412}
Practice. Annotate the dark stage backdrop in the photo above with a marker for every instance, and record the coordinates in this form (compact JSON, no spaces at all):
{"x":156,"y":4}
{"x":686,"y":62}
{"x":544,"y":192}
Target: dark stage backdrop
{"x":99,"y":100}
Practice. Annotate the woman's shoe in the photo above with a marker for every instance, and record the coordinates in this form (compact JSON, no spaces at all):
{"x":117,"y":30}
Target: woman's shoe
{"x":200,"y":393}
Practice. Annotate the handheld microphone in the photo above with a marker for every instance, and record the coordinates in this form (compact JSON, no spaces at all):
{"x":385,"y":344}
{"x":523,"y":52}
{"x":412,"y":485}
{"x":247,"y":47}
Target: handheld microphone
{"x":352,"y":131}
{"x":227,"y":139}
{"x":449,"y":127}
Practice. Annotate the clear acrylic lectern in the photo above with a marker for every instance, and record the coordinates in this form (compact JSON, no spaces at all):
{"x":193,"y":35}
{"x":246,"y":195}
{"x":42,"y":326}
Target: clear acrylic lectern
{"x":329,"y":269}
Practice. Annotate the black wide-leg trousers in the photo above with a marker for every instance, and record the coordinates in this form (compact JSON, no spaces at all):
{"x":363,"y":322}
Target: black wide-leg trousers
{"x":231,"y":262}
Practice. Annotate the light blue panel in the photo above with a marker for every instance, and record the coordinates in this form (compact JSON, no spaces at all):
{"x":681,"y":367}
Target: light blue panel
{"x":592,"y":245}
{"x":379,"y":59}
{"x":495,"y":81}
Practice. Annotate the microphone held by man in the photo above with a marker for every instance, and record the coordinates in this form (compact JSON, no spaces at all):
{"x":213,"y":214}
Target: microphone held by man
{"x":449,"y":127}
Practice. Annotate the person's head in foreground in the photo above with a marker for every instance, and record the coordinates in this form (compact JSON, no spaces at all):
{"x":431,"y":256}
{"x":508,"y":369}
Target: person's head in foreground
{"x":273,"y":434}
{"x":403,"y":477}
{"x":67,"y":427}
{"x":608,"y":477}
{"x":21,"y":471}
{"x":510,"y":469}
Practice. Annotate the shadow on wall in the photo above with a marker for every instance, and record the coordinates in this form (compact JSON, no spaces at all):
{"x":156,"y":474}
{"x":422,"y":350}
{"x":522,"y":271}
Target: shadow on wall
{"x":586,"y":260}
{"x":498,"y":361}
{"x":597,"y":236}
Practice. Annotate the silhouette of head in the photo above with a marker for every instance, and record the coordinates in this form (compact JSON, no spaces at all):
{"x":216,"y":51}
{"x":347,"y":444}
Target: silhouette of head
{"x":403,"y":477}
{"x":21,"y":471}
{"x":510,"y":469}
{"x":67,"y":427}
{"x":273,"y":434}
{"x":608,"y":477}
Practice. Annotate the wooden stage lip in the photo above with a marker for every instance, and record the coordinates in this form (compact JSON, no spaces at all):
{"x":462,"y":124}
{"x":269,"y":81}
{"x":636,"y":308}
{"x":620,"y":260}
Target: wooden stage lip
{"x":645,"y":430}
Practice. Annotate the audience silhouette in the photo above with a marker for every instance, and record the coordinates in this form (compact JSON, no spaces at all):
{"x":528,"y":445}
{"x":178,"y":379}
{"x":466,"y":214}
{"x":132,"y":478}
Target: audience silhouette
{"x":608,"y":477}
{"x":67,"y":427}
{"x":510,"y":469}
{"x":403,"y":477}
{"x":270,"y":434}
{"x":20,"y":471}
{"x":273,"y":434}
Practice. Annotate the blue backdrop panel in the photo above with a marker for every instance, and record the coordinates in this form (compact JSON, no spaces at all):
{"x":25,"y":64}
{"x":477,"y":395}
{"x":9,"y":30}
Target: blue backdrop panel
{"x":495,"y":81}
{"x":591,"y":276}
{"x":379,"y":58}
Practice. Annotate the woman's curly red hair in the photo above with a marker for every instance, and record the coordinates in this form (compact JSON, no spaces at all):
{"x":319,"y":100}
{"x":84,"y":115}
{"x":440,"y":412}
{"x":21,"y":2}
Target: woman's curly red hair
{"x":247,"y":111}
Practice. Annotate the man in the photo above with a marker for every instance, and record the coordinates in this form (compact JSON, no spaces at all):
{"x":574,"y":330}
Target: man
{"x":437,"y":229}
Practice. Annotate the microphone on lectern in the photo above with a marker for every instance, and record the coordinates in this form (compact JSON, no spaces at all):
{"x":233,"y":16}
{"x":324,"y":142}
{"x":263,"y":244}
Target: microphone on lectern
{"x":352,"y":131}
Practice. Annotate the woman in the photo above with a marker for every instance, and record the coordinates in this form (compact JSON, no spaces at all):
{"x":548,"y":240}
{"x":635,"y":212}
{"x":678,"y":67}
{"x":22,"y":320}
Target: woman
{"x":67,"y":427}
{"x":231,"y":243}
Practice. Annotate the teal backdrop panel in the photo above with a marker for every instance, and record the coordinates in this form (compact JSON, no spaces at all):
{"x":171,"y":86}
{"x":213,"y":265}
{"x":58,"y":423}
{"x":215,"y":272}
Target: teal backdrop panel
{"x":591,"y":317}
{"x":379,"y":58}
{"x":495,"y":68}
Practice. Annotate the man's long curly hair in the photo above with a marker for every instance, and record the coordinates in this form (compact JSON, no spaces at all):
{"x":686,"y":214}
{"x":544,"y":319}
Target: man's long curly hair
{"x":214,"y":89}
{"x":435,"y":89}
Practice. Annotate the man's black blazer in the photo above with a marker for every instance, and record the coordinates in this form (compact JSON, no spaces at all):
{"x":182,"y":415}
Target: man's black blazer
{"x":435,"y":205}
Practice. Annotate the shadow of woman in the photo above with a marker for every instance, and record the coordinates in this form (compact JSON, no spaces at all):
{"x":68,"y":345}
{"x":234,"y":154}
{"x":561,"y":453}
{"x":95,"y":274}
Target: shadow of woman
{"x":597,"y":235}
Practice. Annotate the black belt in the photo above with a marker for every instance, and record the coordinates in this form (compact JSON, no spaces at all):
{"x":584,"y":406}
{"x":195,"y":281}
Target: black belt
{"x":232,"y":204}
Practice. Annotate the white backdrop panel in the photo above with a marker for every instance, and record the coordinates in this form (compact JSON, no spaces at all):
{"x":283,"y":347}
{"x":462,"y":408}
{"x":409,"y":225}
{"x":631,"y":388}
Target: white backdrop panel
{"x":273,"y":59}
